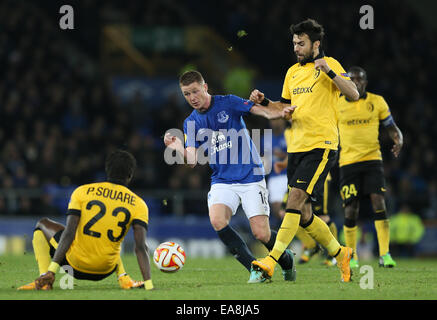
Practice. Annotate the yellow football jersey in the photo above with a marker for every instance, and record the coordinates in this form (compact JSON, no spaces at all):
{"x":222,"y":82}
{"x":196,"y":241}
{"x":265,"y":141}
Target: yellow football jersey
{"x":358,"y":123}
{"x":314,"y":122}
{"x":106,"y":211}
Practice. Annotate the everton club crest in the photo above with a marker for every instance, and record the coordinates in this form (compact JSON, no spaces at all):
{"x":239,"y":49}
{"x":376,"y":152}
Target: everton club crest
{"x":222,"y":117}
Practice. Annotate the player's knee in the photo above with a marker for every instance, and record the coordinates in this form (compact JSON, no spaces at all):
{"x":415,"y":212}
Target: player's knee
{"x":262,"y":234}
{"x":351,"y":215}
{"x":378,"y":202}
{"x":351,"y":210}
{"x":306,"y":213}
{"x":297,"y":198}
{"x":218,"y":223}
{"x":41,"y":223}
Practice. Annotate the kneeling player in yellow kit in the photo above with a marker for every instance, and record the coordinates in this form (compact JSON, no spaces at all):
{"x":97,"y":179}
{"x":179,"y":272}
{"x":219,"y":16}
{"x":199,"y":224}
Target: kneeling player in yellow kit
{"x":98,"y":217}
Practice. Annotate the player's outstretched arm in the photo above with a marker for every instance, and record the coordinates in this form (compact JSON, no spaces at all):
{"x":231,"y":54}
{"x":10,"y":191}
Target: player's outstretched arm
{"x":273,"y":111}
{"x":269,"y":109}
{"x":141,"y":252}
{"x":67,"y":238}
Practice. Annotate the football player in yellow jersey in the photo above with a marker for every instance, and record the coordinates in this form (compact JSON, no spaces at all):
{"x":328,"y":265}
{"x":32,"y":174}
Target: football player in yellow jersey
{"x":320,"y":208}
{"x":309,"y":98}
{"x":98,"y":217}
{"x":361,"y":170}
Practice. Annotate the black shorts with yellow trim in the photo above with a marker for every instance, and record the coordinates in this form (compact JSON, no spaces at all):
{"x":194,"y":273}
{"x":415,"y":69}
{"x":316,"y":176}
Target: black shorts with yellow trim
{"x":320,"y":205}
{"x":54,"y":241}
{"x":308,"y":171}
{"x":361,"y":179}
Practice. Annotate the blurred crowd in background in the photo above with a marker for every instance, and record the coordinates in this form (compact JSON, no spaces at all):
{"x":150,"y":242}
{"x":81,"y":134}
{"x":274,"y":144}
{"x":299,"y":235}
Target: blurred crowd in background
{"x":59,"y":117}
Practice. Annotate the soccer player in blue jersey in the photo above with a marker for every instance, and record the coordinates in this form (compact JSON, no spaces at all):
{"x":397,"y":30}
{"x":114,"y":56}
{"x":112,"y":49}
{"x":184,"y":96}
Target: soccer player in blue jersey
{"x":216,"y":131}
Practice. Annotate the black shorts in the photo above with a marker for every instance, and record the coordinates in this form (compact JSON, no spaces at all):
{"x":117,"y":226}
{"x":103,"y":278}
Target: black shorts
{"x":76,"y":273}
{"x":320,"y":205}
{"x":308,"y":170}
{"x":361,"y":179}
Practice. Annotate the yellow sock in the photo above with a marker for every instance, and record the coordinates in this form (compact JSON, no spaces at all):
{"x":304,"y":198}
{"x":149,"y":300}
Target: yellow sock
{"x":383,"y":234}
{"x":41,"y":249}
{"x":286,"y":233}
{"x":120,"y":267}
{"x":350,"y":236}
{"x":333,"y":229}
{"x":319,"y":230}
{"x":307,"y":241}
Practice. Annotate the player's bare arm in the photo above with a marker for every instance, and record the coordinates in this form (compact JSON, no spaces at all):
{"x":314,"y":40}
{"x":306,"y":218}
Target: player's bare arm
{"x":66,"y":238}
{"x":64,"y":244}
{"x":189,"y":153}
{"x":269,"y":109}
{"x":141,"y":252}
{"x":346,"y":87}
{"x":397,"y":137}
{"x":273,"y":111}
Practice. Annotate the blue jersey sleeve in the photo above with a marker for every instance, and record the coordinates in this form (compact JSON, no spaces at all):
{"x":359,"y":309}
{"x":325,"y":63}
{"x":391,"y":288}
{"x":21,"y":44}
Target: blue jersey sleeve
{"x":240,"y":106}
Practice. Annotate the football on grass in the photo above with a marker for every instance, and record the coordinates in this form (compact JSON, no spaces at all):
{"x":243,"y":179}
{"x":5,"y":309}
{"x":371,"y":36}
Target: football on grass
{"x":169,"y":257}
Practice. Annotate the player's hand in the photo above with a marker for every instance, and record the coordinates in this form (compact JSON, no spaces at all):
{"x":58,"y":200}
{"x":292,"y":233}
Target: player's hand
{"x":396,"y":149}
{"x":278,"y":167}
{"x":46,"y":279}
{"x":321,"y":64}
{"x":256,"y":96}
{"x":288,"y":111}
{"x":171,"y":141}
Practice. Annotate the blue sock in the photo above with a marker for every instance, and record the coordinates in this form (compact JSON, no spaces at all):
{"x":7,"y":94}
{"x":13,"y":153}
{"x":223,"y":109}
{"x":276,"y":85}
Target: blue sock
{"x":236,"y":246}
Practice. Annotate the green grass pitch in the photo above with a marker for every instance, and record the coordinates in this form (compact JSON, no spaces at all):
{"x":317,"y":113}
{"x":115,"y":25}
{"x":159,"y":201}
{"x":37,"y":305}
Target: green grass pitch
{"x":225,"y":279}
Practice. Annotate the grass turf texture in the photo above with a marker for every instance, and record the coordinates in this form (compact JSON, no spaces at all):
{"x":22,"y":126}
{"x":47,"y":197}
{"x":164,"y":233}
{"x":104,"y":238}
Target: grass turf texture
{"x":225,"y":279}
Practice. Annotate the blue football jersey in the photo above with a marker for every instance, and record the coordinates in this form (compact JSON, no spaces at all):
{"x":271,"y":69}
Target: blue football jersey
{"x":221,"y":135}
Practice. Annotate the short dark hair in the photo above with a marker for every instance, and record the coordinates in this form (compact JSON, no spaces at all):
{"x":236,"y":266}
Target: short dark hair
{"x":191,"y":76}
{"x":310,"y":27}
{"x":120,"y":165}
{"x":358,"y":70}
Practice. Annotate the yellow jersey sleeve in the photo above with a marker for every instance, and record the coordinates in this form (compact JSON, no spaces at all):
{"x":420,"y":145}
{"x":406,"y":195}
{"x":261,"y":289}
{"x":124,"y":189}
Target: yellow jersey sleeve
{"x":285,"y":87}
{"x":383,"y":109}
{"x":75,"y":204}
{"x":141,"y":215}
{"x":337,"y":68}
